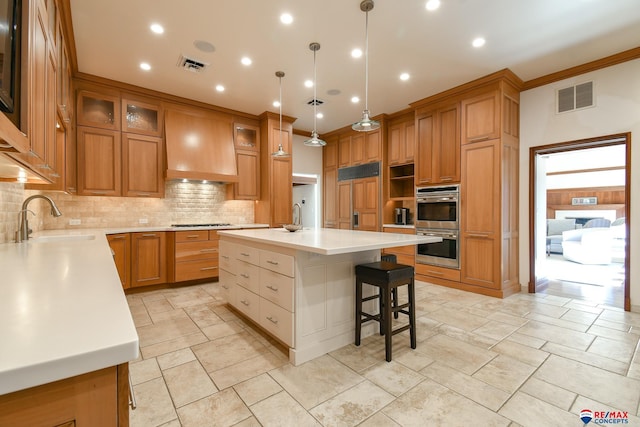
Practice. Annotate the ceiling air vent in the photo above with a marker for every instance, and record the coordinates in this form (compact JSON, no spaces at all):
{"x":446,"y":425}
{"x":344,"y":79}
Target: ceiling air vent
{"x":575,"y":97}
{"x":191,"y":64}
{"x":315,"y":101}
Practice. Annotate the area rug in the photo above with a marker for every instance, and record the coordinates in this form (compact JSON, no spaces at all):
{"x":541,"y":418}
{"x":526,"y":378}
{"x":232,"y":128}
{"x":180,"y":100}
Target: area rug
{"x":559,"y":268}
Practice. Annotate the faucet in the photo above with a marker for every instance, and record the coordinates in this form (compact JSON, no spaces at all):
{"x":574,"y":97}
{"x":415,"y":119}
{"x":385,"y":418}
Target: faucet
{"x":293,"y":213}
{"x":24,"y":231}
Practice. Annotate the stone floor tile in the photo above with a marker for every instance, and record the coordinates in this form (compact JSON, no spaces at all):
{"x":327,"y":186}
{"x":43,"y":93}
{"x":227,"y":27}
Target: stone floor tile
{"x":249,"y":368}
{"x":175,"y":358}
{"x":549,"y":393}
{"x":249,"y":422}
{"x":458,"y":319}
{"x":433,"y":403}
{"x":393,"y":377}
{"x":526,"y":340}
{"x":141,"y":319}
{"x":613,"y":333}
{"x":618,"y":350}
{"x":507,"y":318}
{"x":169,"y":346}
{"x":315,"y":381}
{"x":144,"y":370}
{"x":529,"y":411}
{"x":283,"y":411}
{"x":352,"y":406}
{"x":495,"y":330}
{"x":594,"y":383}
{"x":521,"y":352}
{"x":557,"y":334}
{"x":154,"y":404}
{"x":580,"y":327}
{"x":220,"y":330}
{"x":356,"y":358}
{"x":587,"y":306}
{"x":203,"y":316}
{"x":455,"y":353}
{"x":414,"y":360}
{"x":190,"y":297}
{"x":466,"y":385}
{"x":468,"y":337}
{"x":225,"y":407}
{"x":585,"y":403}
{"x":578,"y":316}
{"x":622,"y":327}
{"x":158,"y":306}
{"x":587,"y":358}
{"x":172,"y":423}
{"x":505,"y":373}
{"x":619,"y":316}
{"x":227,"y":351}
{"x":257,"y":388}
{"x":378,"y":420}
{"x":172,"y":314}
{"x":188,"y":382}
{"x":548,"y":309}
{"x":165,"y":331}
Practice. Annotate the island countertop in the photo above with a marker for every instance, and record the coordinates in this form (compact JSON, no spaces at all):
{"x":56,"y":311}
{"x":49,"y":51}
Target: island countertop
{"x":328,"y":241}
{"x":62,"y":309}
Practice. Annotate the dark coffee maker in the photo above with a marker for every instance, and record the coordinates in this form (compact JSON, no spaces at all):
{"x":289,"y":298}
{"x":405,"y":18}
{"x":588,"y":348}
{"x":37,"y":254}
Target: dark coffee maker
{"x":402,"y":216}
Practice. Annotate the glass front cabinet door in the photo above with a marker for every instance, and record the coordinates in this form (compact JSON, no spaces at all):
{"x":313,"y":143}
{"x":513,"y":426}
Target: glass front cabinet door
{"x":141,"y":116}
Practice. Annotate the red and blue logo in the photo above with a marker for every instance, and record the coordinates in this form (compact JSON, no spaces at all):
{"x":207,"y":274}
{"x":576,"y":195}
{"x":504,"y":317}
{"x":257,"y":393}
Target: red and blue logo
{"x":586,"y":416}
{"x":604,"y":417}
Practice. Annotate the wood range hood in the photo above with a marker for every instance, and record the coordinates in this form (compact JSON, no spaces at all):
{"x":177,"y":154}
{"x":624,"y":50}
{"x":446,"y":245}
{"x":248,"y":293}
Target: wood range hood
{"x":199,"y":146}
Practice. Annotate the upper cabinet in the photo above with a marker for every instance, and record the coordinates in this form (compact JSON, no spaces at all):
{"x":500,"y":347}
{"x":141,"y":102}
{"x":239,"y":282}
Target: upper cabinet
{"x":402,"y":141}
{"x":246,"y":139}
{"x":438,"y":131}
{"x":98,"y":110}
{"x":356,"y":148}
{"x":141,"y":116}
{"x":481,"y":118}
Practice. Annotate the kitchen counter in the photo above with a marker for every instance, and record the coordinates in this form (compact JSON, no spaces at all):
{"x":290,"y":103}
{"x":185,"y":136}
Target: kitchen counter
{"x":62,"y":310}
{"x":328,"y":241}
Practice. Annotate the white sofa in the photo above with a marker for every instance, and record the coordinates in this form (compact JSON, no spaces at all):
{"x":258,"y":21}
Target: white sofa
{"x":588,"y":245}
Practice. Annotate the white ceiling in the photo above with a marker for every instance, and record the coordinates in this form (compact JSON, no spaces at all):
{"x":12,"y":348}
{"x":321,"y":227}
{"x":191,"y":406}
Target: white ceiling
{"x":531,"y":37}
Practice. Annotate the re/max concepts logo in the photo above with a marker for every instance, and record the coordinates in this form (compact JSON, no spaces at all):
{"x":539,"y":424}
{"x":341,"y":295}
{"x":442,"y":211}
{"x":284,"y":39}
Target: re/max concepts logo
{"x":604,"y":417}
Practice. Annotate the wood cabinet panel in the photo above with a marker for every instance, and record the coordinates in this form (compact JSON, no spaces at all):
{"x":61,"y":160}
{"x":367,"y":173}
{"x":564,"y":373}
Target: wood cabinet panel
{"x":330,"y":154}
{"x":196,"y":269}
{"x":121,"y":248}
{"x":425,"y":143}
{"x":402,"y":142}
{"x":282,"y":200}
{"x":481,"y":118}
{"x":150,"y":259}
{"x":99,"y":162}
{"x":142,"y":116}
{"x":405,"y":254}
{"x":366,"y":201}
{"x":358,"y":149}
{"x":191,"y":236}
{"x":142,"y":164}
{"x":248,"y":186}
{"x":373,"y":147}
{"x":98,"y":110}
{"x":330,"y":197}
{"x":192,"y":251}
{"x":344,"y":151}
{"x":344,"y":205}
{"x":438,"y":145}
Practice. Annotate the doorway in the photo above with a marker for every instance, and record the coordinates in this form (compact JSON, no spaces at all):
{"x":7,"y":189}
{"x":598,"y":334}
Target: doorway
{"x":565,"y":220}
{"x":306,"y":193}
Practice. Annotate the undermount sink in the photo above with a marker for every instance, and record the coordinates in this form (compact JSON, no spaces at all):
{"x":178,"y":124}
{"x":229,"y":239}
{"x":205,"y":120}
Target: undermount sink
{"x":62,"y":238}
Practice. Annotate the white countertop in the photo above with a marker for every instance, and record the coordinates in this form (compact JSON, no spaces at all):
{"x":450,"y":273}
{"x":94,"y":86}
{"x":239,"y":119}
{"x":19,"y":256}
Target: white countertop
{"x":328,"y":241}
{"x":62,"y":309}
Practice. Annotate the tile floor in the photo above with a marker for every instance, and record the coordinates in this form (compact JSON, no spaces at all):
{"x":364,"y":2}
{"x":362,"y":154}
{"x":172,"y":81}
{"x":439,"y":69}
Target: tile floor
{"x":530,"y":360}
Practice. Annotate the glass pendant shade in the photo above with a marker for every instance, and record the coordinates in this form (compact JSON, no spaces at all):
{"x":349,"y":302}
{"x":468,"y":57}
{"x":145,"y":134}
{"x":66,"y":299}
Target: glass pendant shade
{"x":280,"y":152}
{"x":366,"y":124}
{"x":314,"y":141}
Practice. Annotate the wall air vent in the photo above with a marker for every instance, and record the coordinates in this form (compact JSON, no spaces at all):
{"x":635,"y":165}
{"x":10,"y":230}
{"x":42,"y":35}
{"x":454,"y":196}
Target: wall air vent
{"x":191,"y":64}
{"x":575,"y":97}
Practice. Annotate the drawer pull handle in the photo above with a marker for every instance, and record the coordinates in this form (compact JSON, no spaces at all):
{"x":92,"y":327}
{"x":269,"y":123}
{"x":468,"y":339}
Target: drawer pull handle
{"x":272,"y":262}
{"x":481,"y":236}
{"x":480,"y":138}
{"x":435,"y":273}
{"x":225,"y":256}
{"x":272,"y":320}
{"x":208,"y":250}
{"x":246,"y":276}
{"x":118,"y":237}
{"x":132,"y":396}
{"x":208,"y":268}
{"x":98,"y":192}
{"x":143,"y":194}
{"x":192,"y":236}
{"x":149,"y":235}
{"x":446,"y":178}
{"x":244,"y":302}
{"x":225,"y":287}
{"x":272,"y":288}
{"x":244,"y":254}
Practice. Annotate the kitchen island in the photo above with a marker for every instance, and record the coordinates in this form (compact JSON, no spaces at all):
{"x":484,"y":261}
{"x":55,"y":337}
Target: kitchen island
{"x":300,"y":287}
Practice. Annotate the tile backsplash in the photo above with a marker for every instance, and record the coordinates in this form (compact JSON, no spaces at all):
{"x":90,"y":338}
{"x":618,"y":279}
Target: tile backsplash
{"x":188,"y":202}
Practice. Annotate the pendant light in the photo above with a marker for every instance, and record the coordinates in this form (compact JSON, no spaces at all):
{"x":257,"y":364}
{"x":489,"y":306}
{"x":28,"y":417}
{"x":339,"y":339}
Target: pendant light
{"x":366,"y":124}
{"x":280,"y":152}
{"x":314,"y":141}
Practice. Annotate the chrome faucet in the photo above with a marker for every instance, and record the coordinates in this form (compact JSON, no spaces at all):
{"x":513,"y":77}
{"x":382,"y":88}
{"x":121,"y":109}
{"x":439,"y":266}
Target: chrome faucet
{"x":293,"y":213}
{"x":24,"y":231}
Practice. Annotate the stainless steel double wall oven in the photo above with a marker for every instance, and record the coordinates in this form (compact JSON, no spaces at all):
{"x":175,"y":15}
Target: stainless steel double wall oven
{"x":437,"y":210}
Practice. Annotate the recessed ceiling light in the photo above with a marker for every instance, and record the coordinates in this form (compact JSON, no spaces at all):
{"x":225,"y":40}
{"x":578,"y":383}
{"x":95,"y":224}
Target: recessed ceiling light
{"x":157,"y":28}
{"x":220,"y":88}
{"x":286,"y":18}
{"x":355,"y":99}
{"x":333,"y":92}
{"x":308,"y":83}
{"x":404,"y":76}
{"x":276,"y":104}
{"x":433,"y":5}
{"x":204,"y":46}
{"x":246,"y":60}
{"x":145,"y":66}
{"x":478,"y":42}
{"x":319,"y":115}
{"x":356,"y":53}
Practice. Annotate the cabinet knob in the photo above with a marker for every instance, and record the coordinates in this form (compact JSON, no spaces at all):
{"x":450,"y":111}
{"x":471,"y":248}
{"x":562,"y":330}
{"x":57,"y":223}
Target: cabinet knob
{"x":272,"y":320}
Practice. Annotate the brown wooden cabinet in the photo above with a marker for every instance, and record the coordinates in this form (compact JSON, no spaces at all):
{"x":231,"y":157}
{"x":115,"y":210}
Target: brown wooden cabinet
{"x":438,"y":144}
{"x":149,"y":258}
{"x":142,"y":165}
{"x":141,"y":115}
{"x":120,"y":245}
{"x":481,"y":118}
{"x":195,"y":255}
{"x":345,"y":205}
{"x":356,"y":148}
{"x":366,"y":202}
{"x":404,"y":254}
{"x":99,"y":162}
{"x":402,"y":139}
{"x":246,"y":139}
{"x":330,"y":183}
{"x":100,"y":110}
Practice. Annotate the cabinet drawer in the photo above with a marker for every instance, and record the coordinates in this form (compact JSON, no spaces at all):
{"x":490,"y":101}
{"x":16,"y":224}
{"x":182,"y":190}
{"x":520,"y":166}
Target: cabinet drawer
{"x":248,"y":276}
{"x":438,"y":272}
{"x":406,"y":259}
{"x":228,"y":287}
{"x":277,"y":262}
{"x":191,"y":236}
{"x":213,"y":235}
{"x":247,"y":254}
{"x":192,"y":251}
{"x":227,"y":256}
{"x":192,"y":270}
{"x":277,"y":321}
{"x":404,"y":250}
{"x":277,"y":288}
{"x":248,"y":303}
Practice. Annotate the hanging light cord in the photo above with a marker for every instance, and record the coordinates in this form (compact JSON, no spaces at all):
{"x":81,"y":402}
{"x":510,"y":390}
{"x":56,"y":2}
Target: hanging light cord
{"x":366,"y":62}
{"x":280,"y":109}
{"x":315,"y":96}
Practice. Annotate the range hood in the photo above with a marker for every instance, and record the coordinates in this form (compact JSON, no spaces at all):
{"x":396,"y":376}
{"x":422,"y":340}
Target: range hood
{"x":199,"y":146}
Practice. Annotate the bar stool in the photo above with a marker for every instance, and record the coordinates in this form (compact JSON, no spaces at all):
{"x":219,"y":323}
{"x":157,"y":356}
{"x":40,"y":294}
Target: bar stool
{"x":387,"y":277}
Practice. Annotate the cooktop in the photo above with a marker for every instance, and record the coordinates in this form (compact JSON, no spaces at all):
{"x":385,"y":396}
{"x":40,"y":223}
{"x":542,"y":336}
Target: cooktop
{"x":219,"y":224}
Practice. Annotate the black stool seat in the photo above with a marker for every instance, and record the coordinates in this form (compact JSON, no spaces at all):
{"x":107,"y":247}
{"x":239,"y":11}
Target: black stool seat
{"x":387,"y":276}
